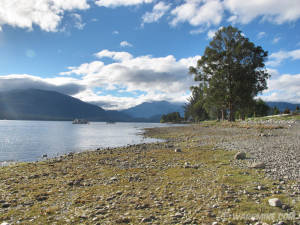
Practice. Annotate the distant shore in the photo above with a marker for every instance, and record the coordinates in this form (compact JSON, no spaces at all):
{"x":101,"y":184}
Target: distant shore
{"x":192,"y":178}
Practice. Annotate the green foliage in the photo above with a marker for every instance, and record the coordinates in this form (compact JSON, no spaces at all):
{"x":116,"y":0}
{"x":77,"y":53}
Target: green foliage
{"x":194,"y":109}
{"x":287,"y":111}
{"x":261,"y":108}
{"x":275,"y":111}
{"x":297,"y":108}
{"x":173,"y":117}
{"x":231,"y":72}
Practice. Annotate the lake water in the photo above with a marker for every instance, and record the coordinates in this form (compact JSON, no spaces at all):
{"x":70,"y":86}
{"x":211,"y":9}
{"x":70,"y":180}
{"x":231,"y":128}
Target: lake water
{"x":29,"y":140}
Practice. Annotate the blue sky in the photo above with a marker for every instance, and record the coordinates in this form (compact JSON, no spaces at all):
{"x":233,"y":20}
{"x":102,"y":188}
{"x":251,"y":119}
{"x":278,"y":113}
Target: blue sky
{"x":120,"y":53}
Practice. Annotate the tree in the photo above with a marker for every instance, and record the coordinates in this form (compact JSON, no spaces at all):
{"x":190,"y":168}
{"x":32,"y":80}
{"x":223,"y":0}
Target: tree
{"x":276,"y":111}
{"x":287,"y":111}
{"x":194,"y":110}
{"x":261,"y":108}
{"x":232,"y":70}
{"x":297,"y":108}
{"x":171,"y":117}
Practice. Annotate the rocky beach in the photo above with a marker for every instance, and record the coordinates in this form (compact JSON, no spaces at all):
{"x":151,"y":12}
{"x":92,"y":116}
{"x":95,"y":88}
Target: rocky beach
{"x":208,"y":173}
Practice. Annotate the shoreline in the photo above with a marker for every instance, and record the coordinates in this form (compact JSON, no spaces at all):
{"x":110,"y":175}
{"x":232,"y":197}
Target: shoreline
{"x":188,"y":179}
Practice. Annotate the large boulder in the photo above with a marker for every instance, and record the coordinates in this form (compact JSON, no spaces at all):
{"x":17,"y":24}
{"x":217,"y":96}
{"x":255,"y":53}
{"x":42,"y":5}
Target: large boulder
{"x":240,"y":155}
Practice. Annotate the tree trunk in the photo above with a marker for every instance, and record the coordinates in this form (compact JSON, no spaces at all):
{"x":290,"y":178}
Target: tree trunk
{"x":222,"y":116}
{"x":231,"y":113}
{"x":243,"y":116}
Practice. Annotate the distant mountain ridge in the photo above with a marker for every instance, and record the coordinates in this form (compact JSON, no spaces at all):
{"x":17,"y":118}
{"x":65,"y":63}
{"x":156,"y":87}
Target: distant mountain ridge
{"x":154,"y":110}
{"x":35,"y":104}
{"x":283,"y":105}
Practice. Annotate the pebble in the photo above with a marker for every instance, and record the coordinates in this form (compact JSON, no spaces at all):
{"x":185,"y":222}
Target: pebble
{"x":275,"y":202}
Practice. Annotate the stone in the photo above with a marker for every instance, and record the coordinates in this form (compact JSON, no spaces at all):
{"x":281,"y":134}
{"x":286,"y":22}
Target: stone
{"x":177,"y":150}
{"x":4,"y":223}
{"x":148,"y":219}
{"x":258,"y":165}
{"x":275,"y":202}
{"x":240,"y":155}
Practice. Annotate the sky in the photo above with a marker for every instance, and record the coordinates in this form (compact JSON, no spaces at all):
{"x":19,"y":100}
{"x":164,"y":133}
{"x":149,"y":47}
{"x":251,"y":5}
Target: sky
{"x":121,"y":53}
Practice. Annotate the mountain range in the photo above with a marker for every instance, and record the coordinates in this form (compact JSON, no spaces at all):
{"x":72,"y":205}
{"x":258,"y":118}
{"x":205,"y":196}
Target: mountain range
{"x":35,"y":104}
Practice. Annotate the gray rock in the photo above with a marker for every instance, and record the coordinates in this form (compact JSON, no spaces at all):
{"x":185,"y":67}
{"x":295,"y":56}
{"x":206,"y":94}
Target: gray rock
{"x":275,"y":202}
{"x":240,"y":155}
{"x":177,"y":150}
{"x":258,"y":165}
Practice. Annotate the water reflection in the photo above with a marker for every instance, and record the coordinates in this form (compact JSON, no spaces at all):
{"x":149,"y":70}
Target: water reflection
{"x":29,"y":140}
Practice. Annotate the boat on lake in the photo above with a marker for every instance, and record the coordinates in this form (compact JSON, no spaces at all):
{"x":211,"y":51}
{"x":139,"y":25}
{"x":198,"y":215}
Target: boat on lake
{"x":80,"y":121}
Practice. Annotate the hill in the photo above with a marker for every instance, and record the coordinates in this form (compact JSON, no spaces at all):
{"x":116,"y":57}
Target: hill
{"x":35,"y":104}
{"x":152,"y":111}
{"x":282,"y":105}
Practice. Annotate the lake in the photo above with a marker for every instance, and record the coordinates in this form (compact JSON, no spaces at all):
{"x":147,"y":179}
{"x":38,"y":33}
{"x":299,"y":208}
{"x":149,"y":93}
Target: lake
{"x":29,"y":140}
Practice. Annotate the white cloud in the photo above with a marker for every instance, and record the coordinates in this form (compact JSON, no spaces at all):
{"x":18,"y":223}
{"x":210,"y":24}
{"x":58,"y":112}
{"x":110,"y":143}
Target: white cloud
{"x":78,"y":21}
{"x":158,"y":11}
{"x":86,"y":68}
{"x":277,"y":57}
{"x":125,"y":44}
{"x":117,"y":56}
{"x":198,"y":30}
{"x":69,"y":86}
{"x":117,"y":3}
{"x":275,"y":11}
{"x":198,"y":12}
{"x":211,"y":34}
{"x":115,"y":32}
{"x":163,"y":78}
{"x":47,"y":14}
{"x":260,"y":35}
{"x":284,"y":88}
{"x":276,"y":40}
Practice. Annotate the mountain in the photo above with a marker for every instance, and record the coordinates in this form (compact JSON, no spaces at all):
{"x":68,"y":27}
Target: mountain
{"x":152,"y":111}
{"x":35,"y":104}
{"x":282,"y":105}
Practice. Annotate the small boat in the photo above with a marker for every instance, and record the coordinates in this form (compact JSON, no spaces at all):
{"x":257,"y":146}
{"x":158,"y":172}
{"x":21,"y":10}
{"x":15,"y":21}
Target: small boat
{"x":80,"y":121}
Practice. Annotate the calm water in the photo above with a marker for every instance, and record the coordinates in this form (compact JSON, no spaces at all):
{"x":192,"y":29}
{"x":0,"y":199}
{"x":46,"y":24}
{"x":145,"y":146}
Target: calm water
{"x":29,"y":140}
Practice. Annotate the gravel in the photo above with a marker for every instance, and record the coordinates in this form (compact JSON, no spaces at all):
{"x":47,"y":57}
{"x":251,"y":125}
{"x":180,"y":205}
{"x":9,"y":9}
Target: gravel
{"x":278,"y":149}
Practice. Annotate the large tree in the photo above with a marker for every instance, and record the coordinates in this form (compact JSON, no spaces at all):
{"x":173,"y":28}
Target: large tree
{"x":233,"y":71}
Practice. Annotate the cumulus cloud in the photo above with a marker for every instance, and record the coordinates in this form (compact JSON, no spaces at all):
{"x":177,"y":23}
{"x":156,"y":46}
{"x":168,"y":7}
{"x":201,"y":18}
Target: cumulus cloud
{"x":117,"y":56}
{"x":276,"y":40}
{"x":68,"y":86}
{"x":277,"y":57}
{"x":198,"y":12}
{"x":158,"y":12}
{"x":78,"y":21}
{"x":117,"y":3}
{"x":125,"y":44}
{"x":211,"y":34}
{"x":275,"y":11}
{"x":260,"y":35}
{"x":284,"y":88}
{"x":47,"y":14}
{"x":162,"y":78}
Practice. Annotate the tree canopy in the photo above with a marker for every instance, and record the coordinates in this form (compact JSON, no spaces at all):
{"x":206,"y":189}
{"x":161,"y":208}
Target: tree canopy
{"x":173,"y":117}
{"x":231,"y":72}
